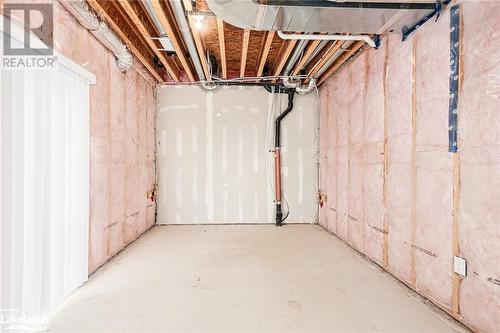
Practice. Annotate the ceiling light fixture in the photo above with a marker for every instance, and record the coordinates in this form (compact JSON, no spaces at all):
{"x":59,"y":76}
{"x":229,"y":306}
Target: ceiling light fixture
{"x":198,"y":18}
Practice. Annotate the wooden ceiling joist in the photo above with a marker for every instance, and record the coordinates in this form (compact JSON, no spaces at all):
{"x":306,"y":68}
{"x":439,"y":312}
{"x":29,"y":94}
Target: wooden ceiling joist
{"x":283,"y":58}
{"x":307,"y":53}
{"x":128,"y":7}
{"x":265,"y":52}
{"x":244,"y":52}
{"x":170,"y":30}
{"x":340,"y":61}
{"x":334,"y":47}
{"x":199,"y":47}
{"x":222,"y":45}
{"x":197,"y":39}
{"x":94,"y":4}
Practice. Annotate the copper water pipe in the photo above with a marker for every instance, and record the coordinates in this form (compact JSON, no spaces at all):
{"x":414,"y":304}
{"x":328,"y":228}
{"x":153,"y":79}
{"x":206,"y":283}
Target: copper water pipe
{"x":277,"y":156}
{"x":277,"y":173}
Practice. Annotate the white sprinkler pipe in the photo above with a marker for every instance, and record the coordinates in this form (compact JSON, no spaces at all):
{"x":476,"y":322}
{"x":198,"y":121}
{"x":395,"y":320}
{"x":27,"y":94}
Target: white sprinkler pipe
{"x":364,"y":38}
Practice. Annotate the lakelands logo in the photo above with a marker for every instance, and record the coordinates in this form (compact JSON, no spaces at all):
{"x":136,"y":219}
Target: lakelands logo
{"x":20,"y":49}
{"x":12,"y":320}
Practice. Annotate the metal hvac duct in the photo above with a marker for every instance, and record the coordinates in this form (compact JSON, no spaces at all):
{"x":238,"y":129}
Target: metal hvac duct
{"x":101,"y":31}
{"x":294,"y":57}
{"x":354,"y":16}
{"x":318,"y":49}
{"x":306,"y":89}
{"x":183,"y":25}
{"x":333,"y":58}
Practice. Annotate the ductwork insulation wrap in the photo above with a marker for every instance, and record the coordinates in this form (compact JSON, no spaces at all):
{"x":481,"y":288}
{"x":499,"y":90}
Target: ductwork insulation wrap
{"x":304,"y":90}
{"x":290,"y":83}
{"x":80,"y":10}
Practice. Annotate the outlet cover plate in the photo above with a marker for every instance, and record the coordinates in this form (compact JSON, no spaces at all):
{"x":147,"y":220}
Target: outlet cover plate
{"x":460,"y":266}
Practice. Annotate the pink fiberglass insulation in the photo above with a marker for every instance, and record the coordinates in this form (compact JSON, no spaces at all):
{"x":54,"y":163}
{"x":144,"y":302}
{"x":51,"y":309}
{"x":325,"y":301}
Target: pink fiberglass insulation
{"x":323,"y":157}
{"x":373,"y":178}
{"x":434,"y":179}
{"x":405,"y":101}
{"x":140,"y":196}
{"x":356,"y":154}
{"x":150,"y":157}
{"x":121,"y":131}
{"x":132,"y":160}
{"x":331,"y":149}
{"x":342,"y":114}
{"x":479,"y":141}
{"x":117,"y":168}
{"x":399,"y":91}
{"x":100,"y":156}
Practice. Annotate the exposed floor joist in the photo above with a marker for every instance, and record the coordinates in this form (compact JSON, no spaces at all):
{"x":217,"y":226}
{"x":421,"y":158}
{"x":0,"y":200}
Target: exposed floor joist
{"x":334,"y":47}
{"x":311,"y":46}
{"x":265,"y":52}
{"x":169,"y":28}
{"x":340,"y":61}
{"x":128,"y":40}
{"x":134,"y":26}
{"x":283,"y":58}
{"x":197,"y":39}
{"x":222,"y":45}
{"x":244,"y":52}
{"x":136,"y":20}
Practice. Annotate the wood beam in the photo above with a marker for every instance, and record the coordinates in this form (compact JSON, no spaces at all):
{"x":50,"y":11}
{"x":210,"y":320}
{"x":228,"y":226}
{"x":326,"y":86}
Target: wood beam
{"x":324,"y":59}
{"x":200,"y":48}
{"x":340,"y":61}
{"x":284,"y":57}
{"x":265,"y":52}
{"x":169,"y":28}
{"x":126,"y":5}
{"x":244,"y":52}
{"x":311,"y":46}
{"x":131,"y":45}
{"x":188,"y":6}
{"x":222,"y":45}
{"x":197,"y":40}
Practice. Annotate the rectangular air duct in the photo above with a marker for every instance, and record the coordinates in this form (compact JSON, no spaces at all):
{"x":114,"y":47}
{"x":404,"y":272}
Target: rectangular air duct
{"x":357,"y":17}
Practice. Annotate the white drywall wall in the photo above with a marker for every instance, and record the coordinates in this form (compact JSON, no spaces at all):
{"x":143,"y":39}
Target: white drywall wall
{"x":214,"y":164}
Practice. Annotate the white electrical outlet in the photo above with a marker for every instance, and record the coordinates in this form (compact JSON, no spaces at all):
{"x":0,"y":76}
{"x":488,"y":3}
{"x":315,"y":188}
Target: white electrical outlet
{"x":460,"y":266}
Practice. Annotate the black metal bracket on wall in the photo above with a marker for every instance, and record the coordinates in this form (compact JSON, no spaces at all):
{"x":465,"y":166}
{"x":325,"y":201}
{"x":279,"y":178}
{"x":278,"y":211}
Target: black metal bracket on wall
{"x":377,"y":41}
{"x":438,"y":8}
{"x":454,"y":77}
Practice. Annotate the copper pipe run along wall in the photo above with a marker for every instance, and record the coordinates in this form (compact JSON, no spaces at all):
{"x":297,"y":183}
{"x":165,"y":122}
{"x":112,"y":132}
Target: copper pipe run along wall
{"x":277,"y":156}
{"x":277,"y":173}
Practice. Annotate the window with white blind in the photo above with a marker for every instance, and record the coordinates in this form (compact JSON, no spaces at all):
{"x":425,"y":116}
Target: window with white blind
{"x":44,"y":184}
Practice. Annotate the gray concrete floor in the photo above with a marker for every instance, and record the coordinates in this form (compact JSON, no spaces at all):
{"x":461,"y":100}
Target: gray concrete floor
{"x":244,"y":278}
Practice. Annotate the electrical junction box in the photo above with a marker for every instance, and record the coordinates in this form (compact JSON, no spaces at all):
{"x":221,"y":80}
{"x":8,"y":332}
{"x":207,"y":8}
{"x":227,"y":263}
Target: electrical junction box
{"x":460,"y":266}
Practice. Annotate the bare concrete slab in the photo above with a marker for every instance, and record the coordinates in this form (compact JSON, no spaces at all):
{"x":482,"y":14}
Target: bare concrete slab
{"x":244,"y":278}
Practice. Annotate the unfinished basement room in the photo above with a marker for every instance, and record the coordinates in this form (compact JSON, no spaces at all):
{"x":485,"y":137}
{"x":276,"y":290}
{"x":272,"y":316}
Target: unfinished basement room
{"x":250,"y":166}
